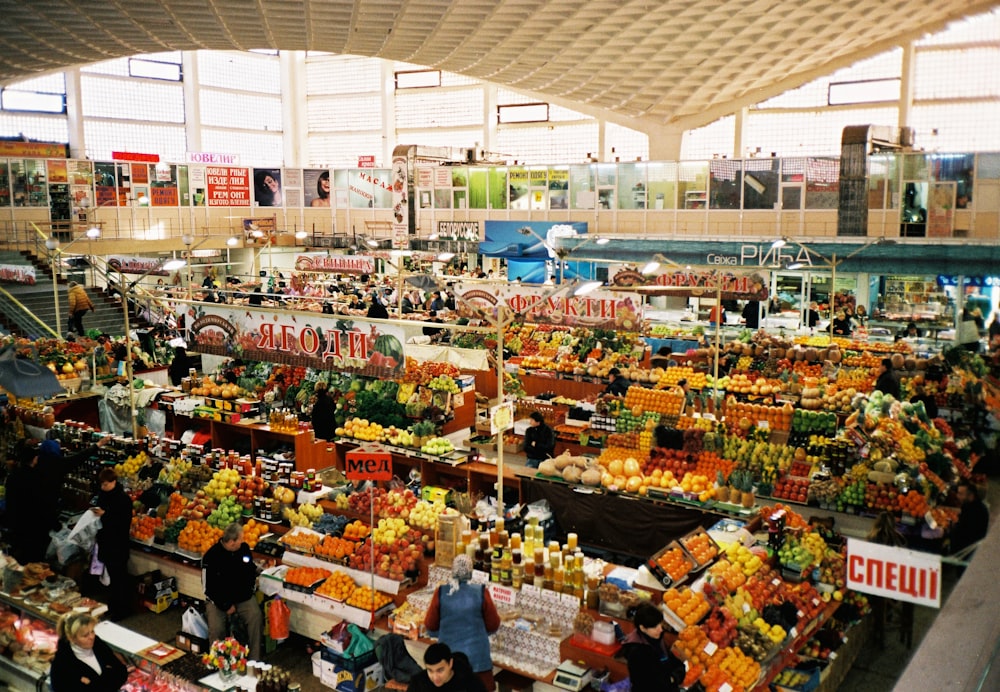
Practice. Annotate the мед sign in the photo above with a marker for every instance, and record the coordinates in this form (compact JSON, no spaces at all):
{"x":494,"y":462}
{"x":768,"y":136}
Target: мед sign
{"x":897,"y":573}
{"x":362,"y":465}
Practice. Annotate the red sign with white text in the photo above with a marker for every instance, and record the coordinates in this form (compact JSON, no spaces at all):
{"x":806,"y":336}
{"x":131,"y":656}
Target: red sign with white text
{"x":135,"y":156}
{"x":897,"y":573}
{"x":227,"y":186}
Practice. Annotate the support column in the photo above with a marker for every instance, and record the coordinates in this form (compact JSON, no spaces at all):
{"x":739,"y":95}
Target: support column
{"x":664,"y":143}
{"x":74,"y":114}
{"x":907,"y":81}
{"x":294,"y":129}
{"x":739,"y":127}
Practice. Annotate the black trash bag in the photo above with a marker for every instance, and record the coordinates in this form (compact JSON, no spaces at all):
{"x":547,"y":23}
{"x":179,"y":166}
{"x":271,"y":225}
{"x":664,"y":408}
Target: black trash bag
{"x":397,"y":663}
{"x":237,"y":627}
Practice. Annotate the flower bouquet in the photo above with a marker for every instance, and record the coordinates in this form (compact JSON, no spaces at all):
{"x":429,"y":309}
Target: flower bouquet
{"x":227,"y":656}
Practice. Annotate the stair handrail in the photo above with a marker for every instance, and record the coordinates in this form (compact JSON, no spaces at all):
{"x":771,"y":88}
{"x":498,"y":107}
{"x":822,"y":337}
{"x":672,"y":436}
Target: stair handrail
{"x":29,"y":313}
{"x":152,"y":300}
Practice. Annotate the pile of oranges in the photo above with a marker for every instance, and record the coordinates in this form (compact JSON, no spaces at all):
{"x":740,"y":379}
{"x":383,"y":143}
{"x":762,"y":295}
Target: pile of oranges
{"x":740,"y":669}
{"x":675,"y":563}
{"x":176,"y":505}
{"x":690,"y":647}
{"x":690,"y":606}
{"x":197,"y":536}
{"x":338,"y":586}
{"x":663,"y":401}
{"x":726,"y":576}
{"x":252,"y":531}
{"x":334,"y":548}
{"x":301,"y":541}
{"x":914,"y":503}
{"x":144,"y":526}
{"x":305,"y":576}
{"x":776,"y":417}
{"x":362,"y":598}
{"x":356,"y":530}
{"x":701,"y":547}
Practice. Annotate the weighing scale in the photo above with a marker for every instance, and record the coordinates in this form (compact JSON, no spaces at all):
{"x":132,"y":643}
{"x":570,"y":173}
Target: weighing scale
{"x":570,"y":676}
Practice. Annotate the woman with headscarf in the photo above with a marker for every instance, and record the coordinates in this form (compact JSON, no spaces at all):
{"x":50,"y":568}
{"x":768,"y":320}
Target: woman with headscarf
{"x":463,"y":615}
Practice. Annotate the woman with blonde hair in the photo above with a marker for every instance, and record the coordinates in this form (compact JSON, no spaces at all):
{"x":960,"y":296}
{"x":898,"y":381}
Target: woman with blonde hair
{"x":83,"y":662}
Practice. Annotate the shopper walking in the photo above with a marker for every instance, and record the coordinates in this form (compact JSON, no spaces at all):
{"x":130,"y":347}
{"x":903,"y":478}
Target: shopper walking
{"x":323,"y":422}
{"x":230,"y":578}
{"x":751,"y":314}
{"x":114,"y":507}
{"x":539,"y":440}
{"x":651,"y":666}
{"x":84,"y":662}
{"x":968,"y":330}
{"x":79,"y":304}
{"x":463,"y":615}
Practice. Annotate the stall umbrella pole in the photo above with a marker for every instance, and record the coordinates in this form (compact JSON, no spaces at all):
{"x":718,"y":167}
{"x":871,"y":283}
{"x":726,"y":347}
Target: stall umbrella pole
{"x":371,"y":540}
{"x":718,"y":334}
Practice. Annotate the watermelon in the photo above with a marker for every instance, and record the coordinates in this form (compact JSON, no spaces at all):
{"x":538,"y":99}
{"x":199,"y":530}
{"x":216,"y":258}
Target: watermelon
{"x":389,"y":347}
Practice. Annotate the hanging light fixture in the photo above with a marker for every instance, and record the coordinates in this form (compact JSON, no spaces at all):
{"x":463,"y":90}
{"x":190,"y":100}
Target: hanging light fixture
{"x":651,"y":267}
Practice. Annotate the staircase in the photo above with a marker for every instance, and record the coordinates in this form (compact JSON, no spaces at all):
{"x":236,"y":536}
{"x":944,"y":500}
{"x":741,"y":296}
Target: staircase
{"x":107,"y":316}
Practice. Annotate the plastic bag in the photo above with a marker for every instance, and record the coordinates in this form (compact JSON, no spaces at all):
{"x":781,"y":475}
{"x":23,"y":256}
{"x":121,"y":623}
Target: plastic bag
{"x":360,"y":643}
{"x":194,"y":623}
{"x":278,"y":619}
{"x":84,"y":533}
{"x":96,"y":566}
{"x":339,"y":637}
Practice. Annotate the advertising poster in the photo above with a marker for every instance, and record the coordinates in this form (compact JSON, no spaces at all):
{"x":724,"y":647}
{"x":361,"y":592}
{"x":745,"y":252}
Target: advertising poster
{"x":336,"y":264}
{"x":941,"y":210}
{"x":163,"y":188}
{"x":17,"y":274}
{"x":267,"y":187}
{"x":527,"y":239}
{"x":227,"y":186}
{"x":316,"y":186}
{"x":136,"y":265}
{"x":57,"y":171}
{"x":696,"y":283}
{"x":308,"y":340}
{"x":105,"y":185}
{"x":401,"y":190}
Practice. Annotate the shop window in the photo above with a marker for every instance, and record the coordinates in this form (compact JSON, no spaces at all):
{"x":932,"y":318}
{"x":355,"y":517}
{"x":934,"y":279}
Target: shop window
{"x":478,"y":196}
{"x":760,"y":183}
{"x":558,"y":188}
{"x":661,"y":184}
{"x":581,"y":187}
{"x":822,"y":183}
{"x":33,"y":101}
{"x":632,"y":186}
{"x":724,"y":183}
{"x":692,"y":184}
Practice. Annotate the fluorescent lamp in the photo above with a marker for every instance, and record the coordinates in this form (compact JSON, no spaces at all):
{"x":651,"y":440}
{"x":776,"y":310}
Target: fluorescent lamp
{"x":755,"y":185}
{"x":445,"y":256}
{"x":794,"y":265}
{"x":779,"y":243}
{"x":171,"y":265}
{"x":602,"y":241}
{"x":587,"y":287}
{"x":301,"y":235}
{"x":433,"y":236}
{"x":651,"y":267}
{"x":371,"y":242}
{"x":94,"y":232}
{"x":233,"y":241}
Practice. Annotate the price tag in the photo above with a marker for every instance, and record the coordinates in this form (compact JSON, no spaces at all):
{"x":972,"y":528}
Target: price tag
{"x":794,"y":632}
{"x":776,"y":581}
{"x":725,"y":687}
{"x":816,"y":601}
{"x":746,"y":607}
{"x":530,"y":589}
{"x":711,"y":648}
{"x":763,"y":424}
{"x":480,"y":577}
{"x":833,"y":656}
{"x":845,"y":640}
{"x":708,"y":416}
{"x":569,"y":599}
{"x":799,"y":614}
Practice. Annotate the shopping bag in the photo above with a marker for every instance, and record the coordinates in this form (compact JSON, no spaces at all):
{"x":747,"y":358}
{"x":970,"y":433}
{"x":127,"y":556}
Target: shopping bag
{"x":96,"y":566}
{"x":360,"y":643}
{"x":194,"y":623}
{"x":278,"y":619}
{"x":338,"y":638}
{"x":84,"y":533}
{"x":238,"y":629}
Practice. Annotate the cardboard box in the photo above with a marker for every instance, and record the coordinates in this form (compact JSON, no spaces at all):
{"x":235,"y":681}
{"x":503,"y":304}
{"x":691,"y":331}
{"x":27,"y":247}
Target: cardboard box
{"x":513,"y":447}
{"x":153,"y":585}
{"x":161,"y":603}
{"x":190,"y":643}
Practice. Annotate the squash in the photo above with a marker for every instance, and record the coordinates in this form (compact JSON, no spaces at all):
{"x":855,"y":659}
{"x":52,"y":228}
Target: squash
{"x":562,"y":461}
{"x":572,"y":474}
{"x":548,"y":468}
{"x":592,"y":476}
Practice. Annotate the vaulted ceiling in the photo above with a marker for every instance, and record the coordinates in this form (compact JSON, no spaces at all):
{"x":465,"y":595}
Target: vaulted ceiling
{"x":649,"y":63}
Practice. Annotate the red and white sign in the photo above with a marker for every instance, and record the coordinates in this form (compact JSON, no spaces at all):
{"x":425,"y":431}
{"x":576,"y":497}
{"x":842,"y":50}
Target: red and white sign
{"x":228,"y":187}
{"x":214,"y":159}
{"x":17,"y":273}
{"x":366,"y":161}
{"x":343,"y":264}
{"x":502,"y":595}
{"x":897,"y":573}
{"x":137,"y":265}
{"x":547,"y":305}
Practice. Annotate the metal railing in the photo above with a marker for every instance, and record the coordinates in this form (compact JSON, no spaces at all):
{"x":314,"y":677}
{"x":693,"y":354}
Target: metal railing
{"x":25,"y":319}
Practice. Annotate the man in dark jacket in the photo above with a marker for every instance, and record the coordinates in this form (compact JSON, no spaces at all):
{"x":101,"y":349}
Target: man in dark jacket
{"x":651,"y":667}
{"x":323,"y":413}
{"x":539,"y":440}
{"x":114,"y":508}
{"x":887,"y":382}
{"x":618,"y":385}
{"x":230,"y":578}
{"x":974,"y":519}
{"x":445,"y":672}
